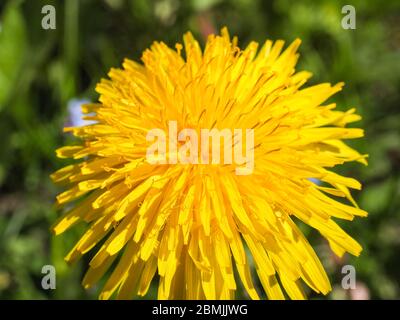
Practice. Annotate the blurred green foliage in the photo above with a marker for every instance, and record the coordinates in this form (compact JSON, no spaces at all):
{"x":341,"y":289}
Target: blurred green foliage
{"x":41,"y":70}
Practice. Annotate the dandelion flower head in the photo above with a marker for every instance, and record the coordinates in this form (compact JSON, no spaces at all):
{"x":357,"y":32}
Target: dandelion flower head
{"x":200,"y":229}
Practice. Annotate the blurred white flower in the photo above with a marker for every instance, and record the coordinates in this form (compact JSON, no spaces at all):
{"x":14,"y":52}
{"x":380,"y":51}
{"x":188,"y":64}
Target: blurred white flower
{"x":75,"y":113}
{"x":361,"y":292}
{"x":316,"y":181}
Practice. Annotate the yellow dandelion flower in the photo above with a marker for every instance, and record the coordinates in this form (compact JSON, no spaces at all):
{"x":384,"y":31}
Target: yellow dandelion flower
{"x":201,"y":226}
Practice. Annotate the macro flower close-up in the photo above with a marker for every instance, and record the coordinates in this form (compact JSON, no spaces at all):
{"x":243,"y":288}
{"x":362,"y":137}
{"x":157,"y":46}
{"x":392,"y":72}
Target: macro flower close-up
{"x":186,"y":158}
{"x":204,"y":228}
